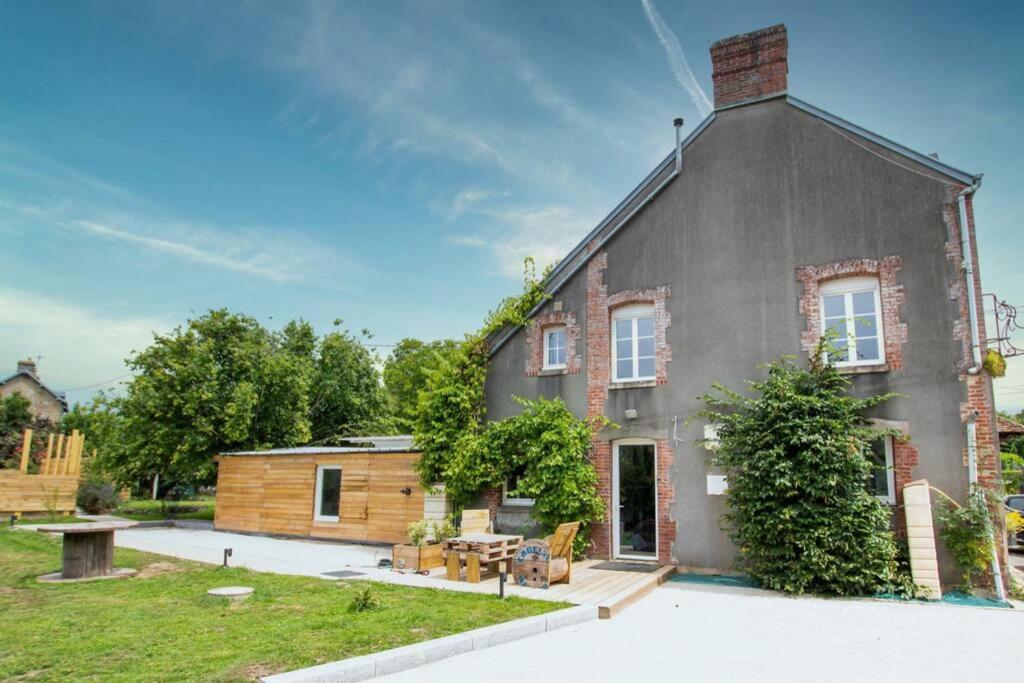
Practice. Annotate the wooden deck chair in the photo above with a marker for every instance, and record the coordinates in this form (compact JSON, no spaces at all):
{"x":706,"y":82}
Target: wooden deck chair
{"x":476,"y":522}
{"x":540,"y":563}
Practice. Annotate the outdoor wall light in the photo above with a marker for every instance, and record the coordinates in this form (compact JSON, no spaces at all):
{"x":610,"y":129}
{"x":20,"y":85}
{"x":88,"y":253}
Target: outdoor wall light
{"x":407,"y":491}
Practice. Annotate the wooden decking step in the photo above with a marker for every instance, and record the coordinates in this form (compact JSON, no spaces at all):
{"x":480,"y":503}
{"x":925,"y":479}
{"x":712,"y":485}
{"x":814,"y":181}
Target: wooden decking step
{"x":615,"y":603}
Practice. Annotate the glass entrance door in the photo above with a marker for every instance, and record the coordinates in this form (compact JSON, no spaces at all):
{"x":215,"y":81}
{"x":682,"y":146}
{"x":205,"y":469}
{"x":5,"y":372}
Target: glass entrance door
{"x":635,"y":501}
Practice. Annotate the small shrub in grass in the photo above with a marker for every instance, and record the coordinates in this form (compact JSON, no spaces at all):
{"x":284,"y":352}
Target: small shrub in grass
{"x":97,"y":497}
{"x":364,"y":601}
{"x":798,"y":505}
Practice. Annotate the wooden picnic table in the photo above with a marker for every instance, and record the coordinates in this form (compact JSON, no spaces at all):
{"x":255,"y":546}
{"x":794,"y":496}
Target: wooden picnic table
{"x":88,"y":547}
{"x":478,"y":549}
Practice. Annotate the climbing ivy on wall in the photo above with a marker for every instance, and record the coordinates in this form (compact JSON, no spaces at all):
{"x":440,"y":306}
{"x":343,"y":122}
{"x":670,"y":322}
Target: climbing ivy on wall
{"x":546,"y":442}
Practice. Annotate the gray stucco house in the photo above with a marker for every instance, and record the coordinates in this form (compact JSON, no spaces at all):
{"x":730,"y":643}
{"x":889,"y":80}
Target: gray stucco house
{"x":770,"y":222}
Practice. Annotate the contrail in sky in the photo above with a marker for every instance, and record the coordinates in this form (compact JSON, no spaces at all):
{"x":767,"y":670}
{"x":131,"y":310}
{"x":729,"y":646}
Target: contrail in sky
{"x":676,"y":58}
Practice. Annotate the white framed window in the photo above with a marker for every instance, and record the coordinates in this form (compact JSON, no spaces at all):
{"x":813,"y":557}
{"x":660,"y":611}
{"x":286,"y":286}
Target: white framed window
{"x":555,"y":348}
{"x":851,"y":309}
{"x":509,"y":496}
{"x":633,"y":343}
{"x":327,"y":498}
{"x":882,"y":483}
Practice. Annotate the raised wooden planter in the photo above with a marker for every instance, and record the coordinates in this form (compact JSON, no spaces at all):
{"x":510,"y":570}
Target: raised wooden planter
{"x":417,"y":558}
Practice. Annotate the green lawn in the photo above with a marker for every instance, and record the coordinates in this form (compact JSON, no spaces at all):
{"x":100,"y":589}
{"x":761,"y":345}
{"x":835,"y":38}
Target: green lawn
{"x":142,"y":510}
{"x":161,"y":625}
{"x":59,"y":519}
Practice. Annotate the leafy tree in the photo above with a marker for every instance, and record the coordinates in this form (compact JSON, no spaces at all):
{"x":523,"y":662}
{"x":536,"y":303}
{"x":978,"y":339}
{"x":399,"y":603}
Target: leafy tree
{"x":347,"y":397}
{"x":220,"y":383}
{"x":798,"y":506}
{"x":405,"y":375}
{"x":15,"y":416}
{"x":101,"y":423}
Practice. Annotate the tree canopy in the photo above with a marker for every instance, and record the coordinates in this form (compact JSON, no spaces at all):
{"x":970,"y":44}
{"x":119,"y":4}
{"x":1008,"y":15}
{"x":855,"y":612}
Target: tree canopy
{"x":405,"y":375}
{"x":224,"y":382}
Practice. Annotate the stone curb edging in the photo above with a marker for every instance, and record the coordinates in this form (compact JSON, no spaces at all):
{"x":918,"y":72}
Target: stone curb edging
{"x":179,"y":523}
{"x":411,"y":656}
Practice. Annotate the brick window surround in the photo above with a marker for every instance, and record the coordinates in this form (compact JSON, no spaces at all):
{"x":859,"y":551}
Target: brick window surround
{"x":535,"y":344}
{"x":600,"y":307}
{"x":890,"y":292}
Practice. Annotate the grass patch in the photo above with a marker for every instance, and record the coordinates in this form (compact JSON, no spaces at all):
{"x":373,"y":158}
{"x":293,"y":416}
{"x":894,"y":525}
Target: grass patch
{"x":161,"y":625}
{"x":142,"y":510}
{"x":60,"y":519}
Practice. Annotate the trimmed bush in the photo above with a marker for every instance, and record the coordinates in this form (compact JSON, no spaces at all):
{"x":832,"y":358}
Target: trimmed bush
{"x":97,"y":497}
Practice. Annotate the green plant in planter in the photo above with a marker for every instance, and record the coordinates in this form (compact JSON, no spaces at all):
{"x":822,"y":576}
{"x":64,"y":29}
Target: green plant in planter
{"x":417,"y":533}
{"x":994,"y":363}
{"x":798,"y":505}
{"x":443,"y":529}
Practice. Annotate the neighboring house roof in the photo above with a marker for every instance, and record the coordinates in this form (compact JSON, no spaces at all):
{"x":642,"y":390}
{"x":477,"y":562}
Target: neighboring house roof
{"x":1007,"y":427}
{"x":355,"y":444}
{"x":59,"y":395}
{"x":578,"y":257}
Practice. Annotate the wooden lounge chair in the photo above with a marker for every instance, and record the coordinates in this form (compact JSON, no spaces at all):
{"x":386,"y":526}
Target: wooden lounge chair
{"x":540,"y":563}
{"x":476,"y":522}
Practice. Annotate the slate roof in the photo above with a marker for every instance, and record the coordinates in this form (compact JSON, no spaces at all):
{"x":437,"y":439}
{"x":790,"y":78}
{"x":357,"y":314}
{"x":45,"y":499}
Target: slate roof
{"x":59,"y":395}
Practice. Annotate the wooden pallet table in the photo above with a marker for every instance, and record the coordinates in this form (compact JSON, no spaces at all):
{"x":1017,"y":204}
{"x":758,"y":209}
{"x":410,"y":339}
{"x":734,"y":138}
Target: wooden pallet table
{"x":477,"y":550}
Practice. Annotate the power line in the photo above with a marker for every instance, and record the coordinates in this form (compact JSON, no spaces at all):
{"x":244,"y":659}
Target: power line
{"x":99,"y":384}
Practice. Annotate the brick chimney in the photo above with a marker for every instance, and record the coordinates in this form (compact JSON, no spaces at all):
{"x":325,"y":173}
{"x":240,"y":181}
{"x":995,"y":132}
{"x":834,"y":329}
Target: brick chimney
{"x":28,"y":366}
{"x":750,"y":66}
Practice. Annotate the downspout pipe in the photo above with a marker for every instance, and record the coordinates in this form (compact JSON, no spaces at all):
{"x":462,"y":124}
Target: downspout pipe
{"x":972,"y":295}
{"x":972,"y":427}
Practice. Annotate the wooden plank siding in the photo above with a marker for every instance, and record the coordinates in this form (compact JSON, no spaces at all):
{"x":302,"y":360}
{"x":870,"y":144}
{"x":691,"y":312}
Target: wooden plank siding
{"x":21,"y":492}
{"x":273,"y":494}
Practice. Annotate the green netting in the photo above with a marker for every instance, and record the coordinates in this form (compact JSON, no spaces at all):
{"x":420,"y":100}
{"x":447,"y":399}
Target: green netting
{"x":714,"y":580}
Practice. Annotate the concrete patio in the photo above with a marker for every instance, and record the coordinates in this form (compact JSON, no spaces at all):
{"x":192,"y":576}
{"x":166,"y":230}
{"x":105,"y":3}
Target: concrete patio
{"x":693,"y":633}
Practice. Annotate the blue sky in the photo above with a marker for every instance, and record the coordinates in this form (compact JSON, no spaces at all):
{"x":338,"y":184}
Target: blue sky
{"x":392,"y":163}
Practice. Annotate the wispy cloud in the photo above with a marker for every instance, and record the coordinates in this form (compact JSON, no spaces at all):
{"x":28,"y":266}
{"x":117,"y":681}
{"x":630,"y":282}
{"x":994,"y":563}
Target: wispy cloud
{"x":63,"y":197}
{"x":64,"y":333}
{"x":677,"y":58}
{"x":511,"y":233}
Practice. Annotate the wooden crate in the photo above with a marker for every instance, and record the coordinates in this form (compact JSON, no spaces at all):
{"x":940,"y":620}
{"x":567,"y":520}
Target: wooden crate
{"x":417,"y":559}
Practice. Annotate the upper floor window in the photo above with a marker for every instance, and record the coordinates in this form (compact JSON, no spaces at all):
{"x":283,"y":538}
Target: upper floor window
{"x":633,"y":343}
{"x":882,"y":483}
{"x":555,"y":349}
{"x":851,"y":309}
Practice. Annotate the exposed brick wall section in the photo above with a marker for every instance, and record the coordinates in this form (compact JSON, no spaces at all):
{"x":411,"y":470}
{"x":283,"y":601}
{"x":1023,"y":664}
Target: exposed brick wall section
{"x":599,"y":309}
{"x":980,"y":402}
{"x":666,"y":496}
{"x":535,"y":343}
{"x":598,"y":376}
{"x":750,"y":66}
{"x":658,"y":297}
{"x":493,"y":498}
{"x":904,"y":459}
{"x":890,"y":292}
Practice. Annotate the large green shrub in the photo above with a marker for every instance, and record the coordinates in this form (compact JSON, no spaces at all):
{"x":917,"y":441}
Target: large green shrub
{"x":798,"y":506}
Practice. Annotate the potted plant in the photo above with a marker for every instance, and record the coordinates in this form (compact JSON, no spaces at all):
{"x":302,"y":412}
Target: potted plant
{"x":423,"y":551}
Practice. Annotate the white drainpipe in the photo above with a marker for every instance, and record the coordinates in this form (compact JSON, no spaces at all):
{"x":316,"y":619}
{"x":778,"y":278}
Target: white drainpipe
{"x":972,"y":296}
{"x":972,"y":316}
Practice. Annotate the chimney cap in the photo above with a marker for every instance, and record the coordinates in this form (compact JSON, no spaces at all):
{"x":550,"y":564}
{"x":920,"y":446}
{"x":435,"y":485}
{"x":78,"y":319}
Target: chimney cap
{"x":677,"y":122}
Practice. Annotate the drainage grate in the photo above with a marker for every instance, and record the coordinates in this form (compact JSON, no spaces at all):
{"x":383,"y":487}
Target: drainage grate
{"x":343,"y":574}
{"x":627,"y":567}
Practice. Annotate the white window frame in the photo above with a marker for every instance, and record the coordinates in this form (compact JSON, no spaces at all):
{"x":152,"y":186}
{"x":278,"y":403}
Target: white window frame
{"x":509,"y":500}
{"x":547,"y":330}
{"x":616,"y":540}
{"x":890,"y":474}
{"x":848,"y":287}
{"x":317,"y":517}
{"x":633,"y":313}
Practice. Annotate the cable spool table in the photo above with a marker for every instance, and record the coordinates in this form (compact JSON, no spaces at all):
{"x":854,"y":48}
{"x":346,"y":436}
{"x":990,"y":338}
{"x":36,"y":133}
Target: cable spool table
{"x":88,"y":550}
